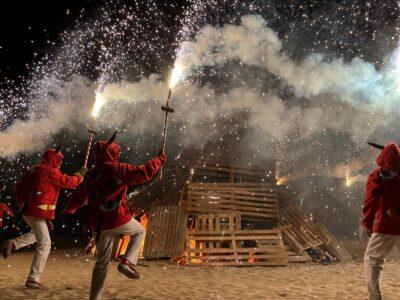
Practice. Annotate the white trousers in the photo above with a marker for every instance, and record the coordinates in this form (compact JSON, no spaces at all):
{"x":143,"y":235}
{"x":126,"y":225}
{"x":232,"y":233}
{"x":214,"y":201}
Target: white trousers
{"x":41,"y":236}
{"x":104,"y":247}
{"x":379,"y":247}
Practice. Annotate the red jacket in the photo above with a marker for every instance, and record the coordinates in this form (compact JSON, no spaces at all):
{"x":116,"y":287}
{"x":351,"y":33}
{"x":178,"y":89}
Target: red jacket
{"x":105,"y":186}
{"x":382,"y":195}
{"x":37,"y":192}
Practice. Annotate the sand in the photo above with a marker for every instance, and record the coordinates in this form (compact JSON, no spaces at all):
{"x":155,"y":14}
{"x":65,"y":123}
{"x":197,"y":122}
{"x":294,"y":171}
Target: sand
{"x":67,"y":276}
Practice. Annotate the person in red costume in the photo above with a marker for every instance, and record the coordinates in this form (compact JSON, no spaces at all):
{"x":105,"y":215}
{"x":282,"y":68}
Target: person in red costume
{"x":381,"y":216}
{"x":36,"y":195}
{"x":104,"y":191}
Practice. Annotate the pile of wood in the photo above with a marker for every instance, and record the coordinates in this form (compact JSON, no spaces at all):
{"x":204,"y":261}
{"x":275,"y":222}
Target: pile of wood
{"x":215,"y":212}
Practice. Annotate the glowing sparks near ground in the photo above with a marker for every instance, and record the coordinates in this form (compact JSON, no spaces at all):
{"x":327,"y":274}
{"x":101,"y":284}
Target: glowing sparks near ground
{"x":176,"y":76}
{"x":98,"y":104}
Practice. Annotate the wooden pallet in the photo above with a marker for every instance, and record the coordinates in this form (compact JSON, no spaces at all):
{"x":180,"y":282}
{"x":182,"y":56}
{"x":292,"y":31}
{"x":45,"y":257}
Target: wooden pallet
{"x":252,"y":200}
{"x":334,"y":247}
{"x":165,"y":236}
{"x":294,"y":257}
{"x":303,"y":232}
{"x":218,"y":240}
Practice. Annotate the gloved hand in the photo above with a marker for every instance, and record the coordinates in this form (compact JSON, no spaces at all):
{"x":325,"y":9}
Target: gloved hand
{"x":82,"y":172}
{"x":162,"y":156}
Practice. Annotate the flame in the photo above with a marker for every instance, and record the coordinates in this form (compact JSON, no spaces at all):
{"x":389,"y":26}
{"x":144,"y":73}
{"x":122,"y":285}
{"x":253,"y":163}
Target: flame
{"x":281,"y":180}
{"x":98,"y":104}
{"x":176,"y":76}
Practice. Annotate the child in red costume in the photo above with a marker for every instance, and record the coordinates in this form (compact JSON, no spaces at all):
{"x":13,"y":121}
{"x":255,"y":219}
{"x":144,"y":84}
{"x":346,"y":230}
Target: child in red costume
{"x":381,"y":216}
{"x":104,"y":190}
{"x":36,"y":196}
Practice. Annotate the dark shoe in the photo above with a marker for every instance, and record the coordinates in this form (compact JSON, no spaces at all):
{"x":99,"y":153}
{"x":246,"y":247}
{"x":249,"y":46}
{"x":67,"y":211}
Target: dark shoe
{"x":7,"y":248}
{"x":30,"y":284}
{"x":126,"y":268}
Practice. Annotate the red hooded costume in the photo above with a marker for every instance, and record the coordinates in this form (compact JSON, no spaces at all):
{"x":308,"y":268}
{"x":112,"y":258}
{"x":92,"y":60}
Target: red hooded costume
{"x":105,"y":186}
{"x":37,"y":192}
{"x":382,"y":195}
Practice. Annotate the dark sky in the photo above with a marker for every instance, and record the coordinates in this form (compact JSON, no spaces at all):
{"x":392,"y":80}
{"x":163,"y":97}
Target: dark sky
{"x":27,"y":28}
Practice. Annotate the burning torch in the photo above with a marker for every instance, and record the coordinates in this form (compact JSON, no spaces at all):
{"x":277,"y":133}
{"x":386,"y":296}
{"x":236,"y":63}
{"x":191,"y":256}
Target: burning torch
{"x":98,"y":104}
{"x":176,"y":76}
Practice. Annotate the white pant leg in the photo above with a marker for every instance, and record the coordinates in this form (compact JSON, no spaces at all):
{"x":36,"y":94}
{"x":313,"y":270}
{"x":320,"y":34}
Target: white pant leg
{"x":24,"y":240}
{"x":379,"y":246}
{"x":136,"y":232}
{"x":103,"y":254}
{"x":43,"y":246}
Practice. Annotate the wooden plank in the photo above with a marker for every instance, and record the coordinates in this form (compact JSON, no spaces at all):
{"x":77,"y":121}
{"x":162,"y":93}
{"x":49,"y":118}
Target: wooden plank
{"x":244,"y":213}
{"x":281,"y":262}
{"x":264,"y":249}
{"x":236,"y":207}
{"x":272,"y":203}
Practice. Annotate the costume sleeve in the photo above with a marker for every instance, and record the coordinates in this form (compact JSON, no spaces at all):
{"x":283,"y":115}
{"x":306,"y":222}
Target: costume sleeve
{"x":373,"y":194}
{"x":78,"y":199}
{"x":134,"y":175}
{"x":66,"y":181}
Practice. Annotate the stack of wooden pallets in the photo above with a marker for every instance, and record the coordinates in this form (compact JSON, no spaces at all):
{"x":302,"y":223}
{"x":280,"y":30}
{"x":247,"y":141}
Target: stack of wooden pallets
{"x":252,"y":200}
{"x":217,"y":239}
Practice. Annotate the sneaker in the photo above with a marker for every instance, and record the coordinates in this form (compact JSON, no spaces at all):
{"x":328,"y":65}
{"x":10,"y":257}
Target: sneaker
{"x":7,"y":248}
{"x":126,"y":268}
{"x":30,"y":284}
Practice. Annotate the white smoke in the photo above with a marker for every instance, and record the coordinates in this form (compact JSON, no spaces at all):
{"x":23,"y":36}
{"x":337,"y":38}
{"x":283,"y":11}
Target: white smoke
{"x":253,"y":43}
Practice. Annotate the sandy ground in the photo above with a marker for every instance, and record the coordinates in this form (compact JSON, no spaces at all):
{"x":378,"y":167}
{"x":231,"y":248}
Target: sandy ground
{"x":67,"y":276}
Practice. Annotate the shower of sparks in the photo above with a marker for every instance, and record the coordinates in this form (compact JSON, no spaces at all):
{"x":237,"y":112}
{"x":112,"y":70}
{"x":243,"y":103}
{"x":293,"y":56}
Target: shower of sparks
{"x":98,"y":104}
{"x":348,"y":179}
{"x":176,"y":76}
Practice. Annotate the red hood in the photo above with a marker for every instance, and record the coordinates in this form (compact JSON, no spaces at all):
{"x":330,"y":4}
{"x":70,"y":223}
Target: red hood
{"x":389,"y":158}
{"x":52,"y":159}
{"x":105,"y":152}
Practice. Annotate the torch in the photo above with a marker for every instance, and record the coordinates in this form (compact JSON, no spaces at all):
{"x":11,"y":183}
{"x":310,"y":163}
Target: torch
{"x":98,"y":104}
{"x":175,"y":78}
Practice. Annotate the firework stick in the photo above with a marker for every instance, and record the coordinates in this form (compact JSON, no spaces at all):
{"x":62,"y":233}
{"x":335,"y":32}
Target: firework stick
{"x":167,"y":110}
{"x":92,"y":133}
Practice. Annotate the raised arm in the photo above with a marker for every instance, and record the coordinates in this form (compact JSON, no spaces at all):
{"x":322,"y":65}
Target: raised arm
{"x":135,"y":175}
{"x":78,"y":199}
{"x":66,"y":181}
{"x":373,"y":194}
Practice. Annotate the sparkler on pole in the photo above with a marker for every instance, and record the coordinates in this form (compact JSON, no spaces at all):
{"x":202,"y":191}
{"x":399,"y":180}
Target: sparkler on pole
{"x":98,"y":104}
{"x":176,"y":76}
